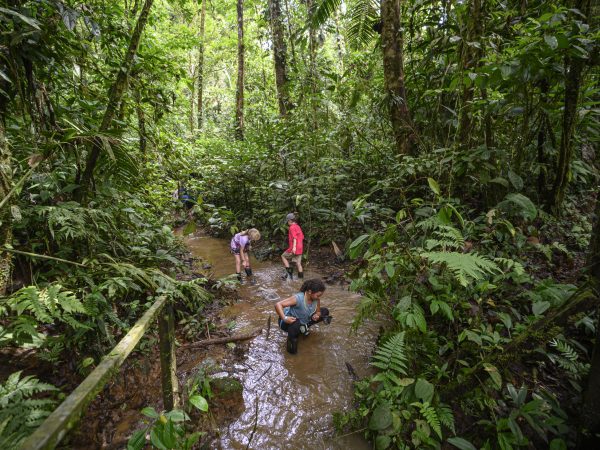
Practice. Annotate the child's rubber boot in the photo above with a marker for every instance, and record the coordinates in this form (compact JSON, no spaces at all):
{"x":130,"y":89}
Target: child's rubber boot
{"x":292,"y":345}
{"x":300,"y":275}
{"x":249,"y":276}
{"x":239,"y":276}
{"x":304,"y":330}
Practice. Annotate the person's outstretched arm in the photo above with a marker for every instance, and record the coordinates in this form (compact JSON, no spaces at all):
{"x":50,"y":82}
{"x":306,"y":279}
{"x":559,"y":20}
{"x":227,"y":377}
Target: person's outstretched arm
{"x":290,"y":301}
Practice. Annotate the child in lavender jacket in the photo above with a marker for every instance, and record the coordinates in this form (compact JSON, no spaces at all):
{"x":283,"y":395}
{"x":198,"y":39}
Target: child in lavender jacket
{"x":240,"y":244}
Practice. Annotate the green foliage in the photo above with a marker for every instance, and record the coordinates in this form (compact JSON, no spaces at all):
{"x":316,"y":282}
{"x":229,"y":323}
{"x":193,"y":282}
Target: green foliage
{"x":165,"y":430}
{"x":390,"y":356}
{"x":465,"y":267}
{"x":24,"y":404}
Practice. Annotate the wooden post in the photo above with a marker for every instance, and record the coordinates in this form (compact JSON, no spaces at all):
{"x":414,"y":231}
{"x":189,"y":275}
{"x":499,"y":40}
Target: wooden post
{"x":168,"y":365}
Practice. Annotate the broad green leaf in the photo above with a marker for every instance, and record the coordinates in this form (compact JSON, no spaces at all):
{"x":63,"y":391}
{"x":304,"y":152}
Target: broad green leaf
{"x":156,"y":440}
{"x":199,"y":402}
{"x":558,"y":444}
{"x":521,"y":204}
{"x":382,"y":442}
{"x":515,"y":180}
{"x":435,"y":187}
{"x":424,"y":390}
{"x":149,"y":411}
{"x":494,"y":374}
{"x":189,"y":228}
{"x":390,"y":269}
{"x":381,"y":418}
{"x":137,"y":441}
{"x":551,"y":41}
{"x":538,"y":308}
{"x":28,"y":20}
{"x":461,"y":443}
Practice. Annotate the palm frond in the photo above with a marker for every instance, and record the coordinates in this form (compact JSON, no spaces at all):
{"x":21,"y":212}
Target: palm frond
{"x":324,"y":11}
{"x":364,"y":14}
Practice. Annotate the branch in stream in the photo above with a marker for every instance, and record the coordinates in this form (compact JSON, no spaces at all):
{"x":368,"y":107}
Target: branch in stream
{"x":224,"y":340}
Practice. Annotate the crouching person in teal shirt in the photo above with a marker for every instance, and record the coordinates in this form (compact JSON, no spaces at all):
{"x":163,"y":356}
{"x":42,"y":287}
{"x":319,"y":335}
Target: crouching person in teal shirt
{"x":301,"y":311}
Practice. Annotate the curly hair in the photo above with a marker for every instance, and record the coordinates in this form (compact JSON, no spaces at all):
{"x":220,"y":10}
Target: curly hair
{"x":313,"y":285}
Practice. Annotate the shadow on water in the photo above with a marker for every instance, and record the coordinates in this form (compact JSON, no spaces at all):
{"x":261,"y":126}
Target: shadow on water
{"x":289,"y":400}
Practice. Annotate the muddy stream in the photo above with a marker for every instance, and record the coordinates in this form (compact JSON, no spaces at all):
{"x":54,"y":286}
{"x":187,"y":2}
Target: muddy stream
{"x":289,"y":400}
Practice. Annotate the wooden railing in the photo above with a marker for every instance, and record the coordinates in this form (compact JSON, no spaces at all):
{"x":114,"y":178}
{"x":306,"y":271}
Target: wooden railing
{"x":68,"y":414}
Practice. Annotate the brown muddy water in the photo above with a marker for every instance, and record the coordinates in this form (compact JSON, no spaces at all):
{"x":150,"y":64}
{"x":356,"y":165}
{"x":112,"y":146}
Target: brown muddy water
{"x":289,"y":400}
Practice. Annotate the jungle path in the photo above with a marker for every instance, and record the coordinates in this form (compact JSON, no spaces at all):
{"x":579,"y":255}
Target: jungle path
{"x":289,"y":400}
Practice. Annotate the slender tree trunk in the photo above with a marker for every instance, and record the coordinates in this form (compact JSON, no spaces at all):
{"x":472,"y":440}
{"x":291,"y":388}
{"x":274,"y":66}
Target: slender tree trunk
{"x":192,"y":122}
{"x":279,"y":57}
{"x":290,"y":35}
{"x":201,"y":64}
{"x":5,"y":214}
{"x":141,"y":117}
{"x":590,"y":416}
{"x":239,"y":98}
{"x":393,"y":70}
{"x":573,"y":79}
{"x":115,"y":95}
{"x":469,"y":57}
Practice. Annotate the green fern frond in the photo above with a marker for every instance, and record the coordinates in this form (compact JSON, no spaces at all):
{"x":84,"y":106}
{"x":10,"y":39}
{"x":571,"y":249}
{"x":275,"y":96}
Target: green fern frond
{"x":510,"y":265}
{"x":565,"y":349}
{"x":447,"y":237}
{"x":20,"y":414}
{"x":446,"y":417}
{"x":391,"y":355}
{"x":432,"y":418}
{"x":465,"y":267}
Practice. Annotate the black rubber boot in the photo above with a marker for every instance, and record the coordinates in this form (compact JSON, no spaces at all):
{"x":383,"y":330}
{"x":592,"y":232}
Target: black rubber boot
{"x":300,"y":275}
{"x":239,"y":277}
{"x":292,"y":345}
{"x":289,"y":273}
{"x":249,"y":276}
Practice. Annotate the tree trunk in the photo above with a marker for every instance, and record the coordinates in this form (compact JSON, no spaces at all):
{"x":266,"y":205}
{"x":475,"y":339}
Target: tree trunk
{"x":393,"y":70}
{"x":201,"y":64}
{"x":279,"y":57}
{"x":590,"y":417}
{"x":239,"y":97}
{"x":573,"y":79}
{"x":469,"y":59}
{"x":115,"y":95}
{"x":5,"y":214}
{"x":141,"y":116}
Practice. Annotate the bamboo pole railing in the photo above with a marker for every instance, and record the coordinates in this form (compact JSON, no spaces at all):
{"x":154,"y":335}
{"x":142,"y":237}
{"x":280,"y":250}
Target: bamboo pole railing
{"x":69,"y":412}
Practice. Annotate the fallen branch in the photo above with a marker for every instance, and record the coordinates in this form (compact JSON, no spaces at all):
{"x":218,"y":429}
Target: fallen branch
{"x":224,"y":340}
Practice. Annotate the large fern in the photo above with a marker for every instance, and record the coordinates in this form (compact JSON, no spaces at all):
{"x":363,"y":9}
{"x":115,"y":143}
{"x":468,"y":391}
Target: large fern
{"x":446,"y":237}
{"x":33,"y":306}
{"x":465,"y":267}
{"x":391,"y":355}
{"x":24,"y":404}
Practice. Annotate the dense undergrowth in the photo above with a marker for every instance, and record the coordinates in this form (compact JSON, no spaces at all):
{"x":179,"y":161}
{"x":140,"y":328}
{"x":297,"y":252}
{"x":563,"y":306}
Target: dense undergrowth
{"x":457,"y":170}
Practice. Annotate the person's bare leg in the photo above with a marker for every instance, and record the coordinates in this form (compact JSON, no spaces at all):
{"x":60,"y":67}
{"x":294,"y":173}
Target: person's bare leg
{"x":299,"y":266}
{"x":238,"y":266}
